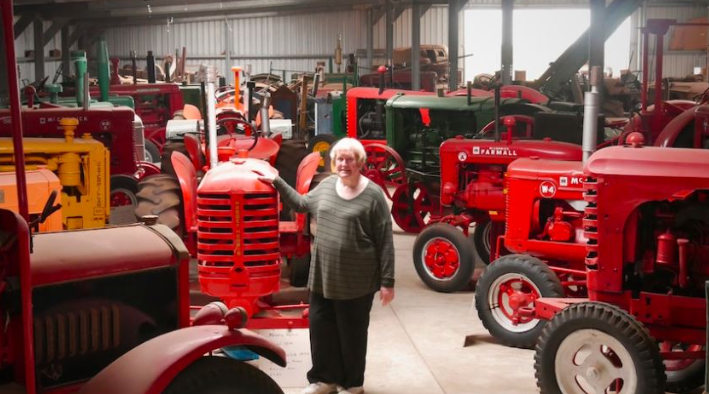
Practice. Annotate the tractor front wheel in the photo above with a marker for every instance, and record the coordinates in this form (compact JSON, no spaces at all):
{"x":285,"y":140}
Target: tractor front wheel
{"x":683,"y":376}
{"x":593,"y":347}
{"x":222,"y":375}
{"x":505,"y":295}
{"x":485,"y":238}
{"x":161,"y":195}
{"x":152,"y":153}
{"x":443,"y":258}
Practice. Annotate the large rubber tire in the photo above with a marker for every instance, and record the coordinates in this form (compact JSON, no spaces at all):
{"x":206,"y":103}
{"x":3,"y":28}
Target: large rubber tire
{"x":532,"y":278}
{"x":161,"y":195}
{"x":322,"y":143}
{"x":152,"y":153}
{"x":291,"y":153}
{"x":687,"y":379}
{"x":222,"y":375}
{"x":484,"y":240}
{"x":443,"y":258}
{"x":597,"y":327}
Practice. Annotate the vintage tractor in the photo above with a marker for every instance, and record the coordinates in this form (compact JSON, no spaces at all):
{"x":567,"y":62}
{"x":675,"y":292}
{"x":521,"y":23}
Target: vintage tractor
{"x":118,"y":129}
{"x":646,"y":222}
{"x":68,"y":318}
{"x":80,"y":164}
{"x":231,"y":221}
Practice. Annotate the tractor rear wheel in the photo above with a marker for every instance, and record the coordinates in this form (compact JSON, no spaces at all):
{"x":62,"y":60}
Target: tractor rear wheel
{"x":506,"y":290}
{"x":166,"y":157}
{"x":485,"y":238}
{"x":222,"y":375}
{"x":161,"y":195}
{"x":593,"y":347}
{"x":443,"y":258}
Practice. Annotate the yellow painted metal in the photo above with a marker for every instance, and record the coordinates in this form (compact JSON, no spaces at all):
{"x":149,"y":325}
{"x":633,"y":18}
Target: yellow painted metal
{"x":40,"y":184}
{"x":82,"y":166}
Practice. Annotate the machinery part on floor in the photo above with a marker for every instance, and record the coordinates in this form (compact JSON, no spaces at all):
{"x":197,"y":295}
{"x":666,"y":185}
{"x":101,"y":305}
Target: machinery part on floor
{"x":384,"y":167}
{"x":322,"y":143}
{"x":161,"y":195}
{"x":594,"y":347}
{"x":443,"y":258}
{"x":485,"y":238}
{"x":414,"y":207}
{"x":82,"y":166}
{"x":505,"y":295}
{"x":216,"y":375}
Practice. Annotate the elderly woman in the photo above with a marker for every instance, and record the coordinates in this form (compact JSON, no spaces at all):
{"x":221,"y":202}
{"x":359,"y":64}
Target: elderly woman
{"x":352,"y":258}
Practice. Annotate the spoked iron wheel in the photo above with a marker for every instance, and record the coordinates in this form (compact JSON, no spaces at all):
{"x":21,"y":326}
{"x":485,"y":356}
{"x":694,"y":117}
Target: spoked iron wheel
{"x":593,"y":348}
{"x":413,"y":207}
{"x":384,"y":167}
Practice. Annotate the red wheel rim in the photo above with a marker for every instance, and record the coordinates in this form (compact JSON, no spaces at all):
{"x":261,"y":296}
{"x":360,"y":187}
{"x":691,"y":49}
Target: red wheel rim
{"x":510,"y":298}
{"x":678,"y":365}
{"x":441,"y":258}
{"x":412,"y":207}
{"x":384,"y":167}
{"x":122,"y":197}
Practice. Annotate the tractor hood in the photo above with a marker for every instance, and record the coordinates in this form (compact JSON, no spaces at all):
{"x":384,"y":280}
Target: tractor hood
{"x":567,"y":173}
{"x":490,"y":151}
{"x":236,"y":176}
{"x":373,"y":93}
{"x":449,"y":103}
{"x":650,"y":162}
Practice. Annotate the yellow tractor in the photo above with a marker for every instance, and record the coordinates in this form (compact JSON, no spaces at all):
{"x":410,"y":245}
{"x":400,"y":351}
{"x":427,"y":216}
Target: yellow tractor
{"x":79,"y":167}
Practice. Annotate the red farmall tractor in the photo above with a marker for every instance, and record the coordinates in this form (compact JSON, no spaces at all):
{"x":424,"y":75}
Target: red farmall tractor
{"x":71,"y":325}
{"x":232,"y":222}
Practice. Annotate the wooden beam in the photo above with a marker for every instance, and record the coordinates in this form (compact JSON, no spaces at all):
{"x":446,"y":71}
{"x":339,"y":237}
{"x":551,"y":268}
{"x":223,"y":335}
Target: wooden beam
{"x":53,"y":30}
{"x":22,"y":24}
{"x":423,"y":9}
{"x":38,"y":49}
{"x":78,"y":31}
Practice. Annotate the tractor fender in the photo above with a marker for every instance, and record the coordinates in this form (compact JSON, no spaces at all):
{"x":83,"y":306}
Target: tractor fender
{"x":146,"y":168}
{"x":151,"y":366}
{"x":187,"y":176}
{"x":193,"y":148}
{"x":669,"y":134}
{"x":307,"y":169}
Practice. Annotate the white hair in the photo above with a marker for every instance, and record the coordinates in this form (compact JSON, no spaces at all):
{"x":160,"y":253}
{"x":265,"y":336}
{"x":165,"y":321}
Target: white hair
{"x":348,"y":144}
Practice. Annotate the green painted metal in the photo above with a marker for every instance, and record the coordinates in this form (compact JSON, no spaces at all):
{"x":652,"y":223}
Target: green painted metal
{"x":339,"y":115}
{"x":79,"y":60}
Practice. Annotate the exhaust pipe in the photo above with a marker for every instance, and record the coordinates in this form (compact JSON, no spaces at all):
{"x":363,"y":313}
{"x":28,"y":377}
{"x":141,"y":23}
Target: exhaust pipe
{"x":211,"y":117}
{"x":265,"y":120}
{"x":591,"y":108}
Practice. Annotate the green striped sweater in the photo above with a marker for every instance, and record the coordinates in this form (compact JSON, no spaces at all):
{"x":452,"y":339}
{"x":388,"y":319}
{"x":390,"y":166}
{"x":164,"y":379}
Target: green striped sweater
{"x":353,"y":252}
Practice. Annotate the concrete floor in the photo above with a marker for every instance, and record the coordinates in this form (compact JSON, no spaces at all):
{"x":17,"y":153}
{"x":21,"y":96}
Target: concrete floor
{"x":418,"y":343}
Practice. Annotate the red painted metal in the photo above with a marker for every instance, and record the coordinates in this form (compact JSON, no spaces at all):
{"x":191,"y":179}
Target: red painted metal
{"x":154,"y":364}
{"x":677,"y":125}
{"x":414,"y":207}
{"x":528,"y":121}
{"x":521,"y":295}
{"x":26,"y":373}
{"x":384,"y":167}
{"x":187,"y":176}
{"x":442,"y":259}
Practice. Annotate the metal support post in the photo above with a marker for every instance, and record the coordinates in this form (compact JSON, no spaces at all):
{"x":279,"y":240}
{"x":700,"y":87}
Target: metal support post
{"x":227,"y":53}
{"x":370,"y":41}
{"x":415,"y":46}
{"x":66,"y":45}
{"x":389,"y":20}
{"x":453,"y":8}
{"x":38,"y":49}
{"x":507,"y":48}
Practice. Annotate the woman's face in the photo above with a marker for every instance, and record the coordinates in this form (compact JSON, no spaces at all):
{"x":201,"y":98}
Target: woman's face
{"x":346,"y":164}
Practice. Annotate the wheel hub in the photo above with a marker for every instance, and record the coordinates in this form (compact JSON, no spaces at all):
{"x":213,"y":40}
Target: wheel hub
{"x":441,"y":258}
{"x":510,"y":300}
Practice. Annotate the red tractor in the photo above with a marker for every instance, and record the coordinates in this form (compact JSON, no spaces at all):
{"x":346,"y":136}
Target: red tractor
{"x":70,"y":325}
{"x":647,"y":226}
{"x":232,"y":222}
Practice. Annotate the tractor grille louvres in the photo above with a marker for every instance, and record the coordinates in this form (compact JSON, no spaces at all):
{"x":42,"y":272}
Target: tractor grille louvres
{"x":590,"y":221}
{"x":242,"y":229}
{"x":65,"y":335}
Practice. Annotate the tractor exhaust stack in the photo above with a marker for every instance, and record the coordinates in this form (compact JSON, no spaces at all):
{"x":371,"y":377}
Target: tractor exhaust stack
{"x":211,"y":117}
{"x":590,"y":115}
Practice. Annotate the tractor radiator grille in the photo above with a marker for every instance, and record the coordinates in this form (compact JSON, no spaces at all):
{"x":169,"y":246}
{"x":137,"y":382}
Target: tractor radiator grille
{"x":590,"y":221}
{"x":64,"y":335}
{"x":242,"y":229}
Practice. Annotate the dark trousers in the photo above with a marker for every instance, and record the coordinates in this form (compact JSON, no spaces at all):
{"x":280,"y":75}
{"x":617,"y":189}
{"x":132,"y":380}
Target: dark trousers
{"x":338,"y":339}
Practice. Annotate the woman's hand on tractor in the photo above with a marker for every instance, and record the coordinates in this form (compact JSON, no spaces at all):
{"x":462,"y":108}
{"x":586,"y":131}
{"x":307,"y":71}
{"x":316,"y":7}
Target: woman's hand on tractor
{"x":266,"y":178}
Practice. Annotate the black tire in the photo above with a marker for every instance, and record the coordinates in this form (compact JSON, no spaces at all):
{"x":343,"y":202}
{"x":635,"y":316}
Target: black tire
{"x":291,"y":153}
{"x":322,"y":143}
{"x":166,"y":157}
{"x":161,"y":195}
{"x":126,"y":185}
{"x":447,"y":235}
{"x":514,"y":267}
{"x":222,"y":375}
{"x":686,"y":380}
{"x":484,"y":241}
{"x":152,"y":153}
{"x":589,"y":324}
